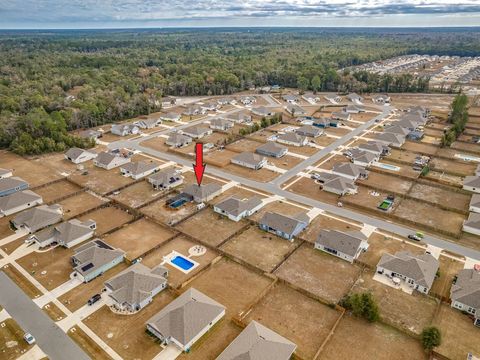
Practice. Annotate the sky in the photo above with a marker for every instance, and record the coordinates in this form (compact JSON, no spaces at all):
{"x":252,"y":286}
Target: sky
{"x":79,"y":14}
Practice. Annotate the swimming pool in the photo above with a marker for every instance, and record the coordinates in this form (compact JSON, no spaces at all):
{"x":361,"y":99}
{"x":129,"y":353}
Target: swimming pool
{"x":182,"y":262}
{"x":387,"y":166}
{"x":467,"y":157}
{"x":177,"y":203}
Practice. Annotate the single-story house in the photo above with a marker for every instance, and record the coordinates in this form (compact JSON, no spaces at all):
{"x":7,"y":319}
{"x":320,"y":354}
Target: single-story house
{"x":186,"y":319}
{"x":210,"y":106}
{"x":135,"y":287}
{"x":375,"y":147}
{"x":416,"y":135}
{"x":391,"y":139}
{"x":289,"y":98}
{"x":465,"y":293}
{"x":472,"y":183}
{"x":272,"y":149}
{"x":477,"y":170}
{"x":408,"y":123}
{"x":166,"y":179}
{"x":221,"y":124}
{"x":19,"y":201}
{"x":350,"y":171}
{"x":249,"y":160}
{"x":340,"y":115}
{"x":333,"y":98}
{"x":5,"y":173}
{"x":295,"y":110}
{"x":168,"y":101}
{"x":292,"y":139}
{"x":257,"y":342}
{"x":472,"y":224}
{"x":475,"y":203}
{"x":139,"y":169}
{"x":91,"y":134}
{"x":171,"y":116}
{"x":148,"y":123}
{"x":355,"y":98}
{"x":78,"y":156}
{"x":226,"y":101}
{"x":240,"y":117}
{"x":336,"y":184}
{"x":262,"y":111}
{"x":237,"y":209}
{"x":37,"y":218}
{"x":396,"y":129}
{"x":344,"y":245}
{"x":108,"y":161}
{"x":322,"y":122}
{"x":124,"y":129}
{"x":282,"y":225}
{"x":10,"y":185}
{"x":178,"y":140}
{"x":66,"y":234}
{"x":364,"y":158}
{"x":194,"y":110}
{"x":418,"y":271}
{"x":95,"y":258}
{"x":311,"y":98}
{"x":202,"y":193}
{"x":197,"y":131}
{"x":353,"y":109}
{"x":381,"y":99}
{"x":309,"y":131}
{"x":248,"y":100}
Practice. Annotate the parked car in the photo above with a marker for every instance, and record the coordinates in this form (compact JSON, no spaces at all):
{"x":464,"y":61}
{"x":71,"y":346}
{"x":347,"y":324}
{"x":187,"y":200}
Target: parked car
{"x":414,"y":237}
{"x":29,"y":338}
{"x":94,"y":299}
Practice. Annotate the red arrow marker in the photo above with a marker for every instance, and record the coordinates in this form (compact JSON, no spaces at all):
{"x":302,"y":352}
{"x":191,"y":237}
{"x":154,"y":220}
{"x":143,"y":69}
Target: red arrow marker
{"x":199,"y":166}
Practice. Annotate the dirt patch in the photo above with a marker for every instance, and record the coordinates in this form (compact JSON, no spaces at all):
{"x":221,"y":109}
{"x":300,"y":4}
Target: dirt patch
{"x":139,"y":237}
{"x":14,"y":245}
{"x":357,"y":339}
{"x":387,"y":183}
{"x":470,"y":147}
{"x":368,"y":198}
{"x":402,"y":156}
{"x":126,"y":334}
{"x":300,"y":319}
{"x":259,"y":248}
{"x":210,"y":227}
{"x":107,"y":219}
{"x":319,"y":273}
{"x":50,"y":268}
{"x":263,"y":175}
{"x":220,"y":158}
{"x":88,"y":345}
{"x":232,"y":285}
{"x":330,"y":163}
{"x":159,"y":211}
{"x":12,"y":345}
{"x":453,"y":167}
{"x":449,"y":268}
{"x":57,"y":190}
{"x":181,"y":245}
{"x":137,"y":195}
{"x":308,"y":187}
{"x":53,"y":311}
{"x":441,"y":196}
{"x":459,"y":335}
{"x":411,"y":312}
{"x":78,"y":204}
{"x":100,"y":180}
{"x":23,"y":283}
{"x":243,"y":145}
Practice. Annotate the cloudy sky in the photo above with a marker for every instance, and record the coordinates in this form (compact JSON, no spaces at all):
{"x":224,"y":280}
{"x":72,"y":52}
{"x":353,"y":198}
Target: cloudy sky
{"x":174,"y":13}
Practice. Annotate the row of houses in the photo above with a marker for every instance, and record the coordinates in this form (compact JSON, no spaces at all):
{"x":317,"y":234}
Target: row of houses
{"x":341,"y":179}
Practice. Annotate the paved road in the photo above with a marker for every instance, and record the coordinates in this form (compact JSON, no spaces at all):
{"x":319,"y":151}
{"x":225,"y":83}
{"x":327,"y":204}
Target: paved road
{"x":51,"y":339}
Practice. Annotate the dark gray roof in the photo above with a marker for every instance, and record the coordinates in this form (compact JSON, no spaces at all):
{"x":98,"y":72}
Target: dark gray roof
{"x":11,"y":182}
{"x":347,"y":243}
{"x":466,"y":289}
{"x":39,"y":217}
{"x":75,"y":153}
{"x":93,"y":256}
{"x":283,"y":223}
{"x":249,"y":158}
{"x":139,"y":167}
{"x":235,"y":206}
{"x":257,"y":342}
{"x":271,"y":148}
{"x":202,"y":191}
{"x":164,"y":176}
{"x":18,"y":199}
{"x":421,"y":268}
{"x":186,"y":316}
{"x":473,"y":181}
{"x":347,"y":168}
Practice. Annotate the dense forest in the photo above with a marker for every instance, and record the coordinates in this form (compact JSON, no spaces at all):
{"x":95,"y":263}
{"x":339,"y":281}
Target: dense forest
{"x":52,"y":82}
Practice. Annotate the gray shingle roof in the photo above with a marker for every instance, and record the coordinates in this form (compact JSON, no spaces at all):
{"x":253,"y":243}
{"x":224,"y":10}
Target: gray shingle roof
{"x":177,"y":138}
{"x":66,"y":232}
{"x":139,"y":167}
{"x":466,"y":289}
{"x":4,"y":171}
{"x":475,"y":200}
{"x":202,"y":191}
{"x":164,"y":176}
{"x":11,"y":182}
{"x":18,"y":199}
{"x":473,"y":221}
{"x":283,"y":223}
{"x":249,"y":158}
{"x":347,"y":243}
{"x":235,"y":206}
{"x":292,"y":137}
{"x":396,"y":129}
{"x":257,"y":342}
{"x":309,"y":130}
{"x":186,"y":316}
{"x":75,"y":153}
{"x":93,"y":256}
{"x":196,"y":130}
{"x":271,"y":148}
{"x":39,"y":217}
{"x":349,"y":169}
{"x":421,"y":268}
{"x":473,"y":181}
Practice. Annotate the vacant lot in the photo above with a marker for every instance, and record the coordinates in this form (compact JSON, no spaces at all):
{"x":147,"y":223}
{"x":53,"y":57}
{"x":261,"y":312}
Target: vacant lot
{"x":420,"y":148}
{"x":50,"y":268}
{"x":453,"y":167}
{"x":263,"y":175}
{"x":53,"y":312}
{"x":79,"y":295}
{"x":87,"y":344}
{"x":308,"y":187}
{"x":126,"y":334}
{"x":244,"y":145}
{"x":238,"y":192}
{"x":321,"y":274}
{"x":259,"y":248}
{"x":357,"y":339}
{"x":470,"y":147}
{"x":57,"y":190}
{"x":139,"y":237}
{"x":330,"y":223}
{"x":411,"y":312}
{"x":387,"y":183}
{"x":285,"y":162}
{"x":5,"y":229}
{"x":181,"y":245}
{"x":12,"y":345}
{"x":232,"y":285}
{"x":137,"y":195}
{"x":78,"y":204}
{"x":210,"y":227}
{"x":162,"y":213}
{"x":380,"y":244}
{"x":100,"y":180}
{"x":107,"y":219}
{"x":220,"y":158}
{"x":300,"y":319}
{"x":441,"y":196}
{"x":459,"y":335}
{"x":430,"y":216}
{"x":368,"y":198}
{"x":449,"y":268}
{"x":324,"y":140}
{"x":157,"y":143}
{"x":22,"y":282}
{"x":402,"y":156}
{"x":446,"y":179}
{"x":331,"y":162}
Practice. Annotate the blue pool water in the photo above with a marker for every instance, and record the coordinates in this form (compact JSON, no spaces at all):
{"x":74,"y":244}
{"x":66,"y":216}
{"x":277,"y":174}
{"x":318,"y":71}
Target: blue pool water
{"x":178,"y":203}
{"x":183,"y":263}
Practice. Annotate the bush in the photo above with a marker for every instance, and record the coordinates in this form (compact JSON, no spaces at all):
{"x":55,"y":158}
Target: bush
{"x":362,"y":305}
{"x":431,"y":337}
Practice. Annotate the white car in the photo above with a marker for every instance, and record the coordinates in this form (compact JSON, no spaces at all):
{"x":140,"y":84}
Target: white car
{"x":29,"y":338}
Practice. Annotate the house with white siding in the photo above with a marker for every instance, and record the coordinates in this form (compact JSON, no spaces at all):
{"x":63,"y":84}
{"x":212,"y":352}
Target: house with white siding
{"x":249,"y":160}
{"x":78,"y":156}
{"x":472,"y":183}
{"x":108,"y":161}
{"x":465,"y":293}
{"x":19,"y":201}
{"x":139,"y":169}
{"x":284,"y":226}
{"x":5,"y":173}
{"x":67,"y":234}
{"x":236,"y":209}
{"x":344,"y":245}
{"x":37,"y":218}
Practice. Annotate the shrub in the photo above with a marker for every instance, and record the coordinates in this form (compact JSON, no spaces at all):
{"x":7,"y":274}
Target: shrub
{"x":431,"y":337}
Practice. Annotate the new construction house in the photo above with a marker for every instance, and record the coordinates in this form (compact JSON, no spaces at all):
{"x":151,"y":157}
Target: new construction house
{"x":10,"y":185}
{"x":37,"y":218}
{"x":138,"y":170}
{"x":108,"y":161}
{"x":272,"y":149}
{"x":465,"y":293}
{"x":344,"y":245}
{"x":166,"y":179}
{"x":249,"y":160}
{"x":66,"y":234}
{"x":19,"y":201}
{"x":284,"y":226}
{"x":237,"y":209}
{"x":78,"y":156}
